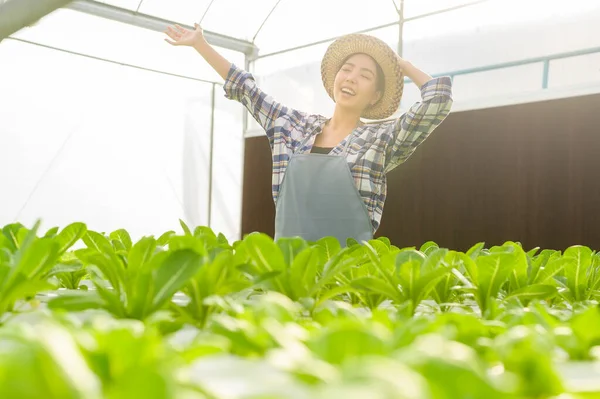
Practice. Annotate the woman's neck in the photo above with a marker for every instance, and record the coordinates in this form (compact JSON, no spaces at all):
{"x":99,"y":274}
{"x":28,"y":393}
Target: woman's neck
{"x":341,"y":124}
{"x":344,"y":120}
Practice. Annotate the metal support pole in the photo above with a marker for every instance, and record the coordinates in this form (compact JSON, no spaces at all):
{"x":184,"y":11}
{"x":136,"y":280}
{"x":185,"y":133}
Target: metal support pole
{"x":546,"y":73}
{"x":17,"y":14}
{"x":156,"y":24}
{"x":401,"y":28}
{"x":244,"y":129}
{"x":211,"y":153}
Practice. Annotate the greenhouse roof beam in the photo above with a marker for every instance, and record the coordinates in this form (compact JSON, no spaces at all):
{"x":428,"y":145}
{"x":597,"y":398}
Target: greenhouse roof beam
{"x":265,"y":21}
{"x":124,"y":64}
{"x":402,"y":21}
{"x":329,"y":39}
{"x":17,"y":14}
{"x":445,"y":10}
{"x":157,"y":24}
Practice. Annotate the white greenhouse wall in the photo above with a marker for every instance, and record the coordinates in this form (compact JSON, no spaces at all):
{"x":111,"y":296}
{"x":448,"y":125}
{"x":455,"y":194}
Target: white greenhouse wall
{"x":112,"y":146}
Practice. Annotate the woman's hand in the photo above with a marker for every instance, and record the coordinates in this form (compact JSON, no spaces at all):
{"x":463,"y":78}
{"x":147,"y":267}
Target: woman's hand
{"x":413,"y":73}
{"x":402,"y":61}
{"x":195,"y":39}
{"x":185,"y":37}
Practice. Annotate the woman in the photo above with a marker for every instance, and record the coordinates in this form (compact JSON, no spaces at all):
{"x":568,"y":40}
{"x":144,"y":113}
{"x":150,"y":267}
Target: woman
{"x":329,"y":173}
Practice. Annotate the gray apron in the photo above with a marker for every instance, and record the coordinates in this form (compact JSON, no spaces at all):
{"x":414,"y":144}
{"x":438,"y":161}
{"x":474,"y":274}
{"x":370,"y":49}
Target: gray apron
{"x":318,"y":198}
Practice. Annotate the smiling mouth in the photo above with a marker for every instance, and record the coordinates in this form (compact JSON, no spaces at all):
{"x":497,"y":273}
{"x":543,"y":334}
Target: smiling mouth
{"x":348,"y":91}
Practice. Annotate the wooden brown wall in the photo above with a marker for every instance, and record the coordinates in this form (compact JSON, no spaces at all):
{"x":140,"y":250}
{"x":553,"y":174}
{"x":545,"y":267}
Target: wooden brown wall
{"x":528,"y":173}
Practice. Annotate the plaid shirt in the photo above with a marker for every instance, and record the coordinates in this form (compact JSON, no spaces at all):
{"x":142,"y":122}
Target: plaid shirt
{"x":375,"y":148}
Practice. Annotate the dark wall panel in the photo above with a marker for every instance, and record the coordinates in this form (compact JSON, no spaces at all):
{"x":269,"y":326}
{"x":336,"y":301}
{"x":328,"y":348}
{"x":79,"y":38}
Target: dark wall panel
{"x":528,"y":172}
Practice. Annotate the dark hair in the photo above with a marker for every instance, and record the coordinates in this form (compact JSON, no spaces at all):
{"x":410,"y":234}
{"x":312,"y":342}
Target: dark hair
{"x":380,"y":83}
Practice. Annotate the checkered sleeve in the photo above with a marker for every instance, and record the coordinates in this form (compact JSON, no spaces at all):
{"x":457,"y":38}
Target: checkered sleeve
{"x":412,"y":128}
{"x":241,"y":86}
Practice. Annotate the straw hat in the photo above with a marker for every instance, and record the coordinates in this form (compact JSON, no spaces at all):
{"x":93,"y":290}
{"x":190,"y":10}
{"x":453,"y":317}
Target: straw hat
{"x":388,"y":60}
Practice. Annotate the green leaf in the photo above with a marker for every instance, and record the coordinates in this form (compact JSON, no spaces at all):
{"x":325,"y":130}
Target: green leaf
{"x":21,"y":289}
{"x":22,"y":241}
{"x":470,"y":267}
{"x":380,"y":247}
{"x":60,"y":268}
{"x":72,"y":280}
{"x":177,"y":243}
{"x":518,"y":277}
{"x":215,"y":277}
{"x":98,"y":242}
{"x":185,"y":228}
{"x":264,"y":252}
{"x":222,"y":240}
{"x":427,"y":282}
{"x":38,"y":259}
{"x":77,"y":301}
{"x":428,"y":247}
{"x":452,"y":369}
{"x":123,"y":236}
{"x":408,"y":256}
{"x":537,"y":291}
{"x":576,"y":271}
{"x":377,"y":286}
{"x":493,"y":269}
{"x":112,"y":268}
{"x":164,"y":239}
{"x":51,"y":233}
{"x":44,"y":362}
{"x":442,"y":292}
{"x":386,"y":241}
{"x":351,"y":242}
{"x":111,"y":298}
{"x":586,"y":326}
{"x":408,"y":270}
{"x":207,"y":237}
{"x":119,"y":247}
{"x":552,"y":269}
{"x":475,"y":250}
{"x":143,"y":285}
{"x":70,"y":235}
{"x":267,"y":276}
{"x":303,"y":271}
{"x":382,"y":264}
{"x":139,"y":266}
{"x":531,"y":253}
{"x":435,"y":259}
{"x":333,"y":292}
{"x":173,"y":274}
{"x":528,"y":352}
{"x":339,"y":263}
{"x":140,"y":254}
{"x":345,"y":339}
{"x":538,"y":263}
{"x":331,"y":246}
{"x":290,"y":248}
{"x":11,"y":232}
{"x":594,"y":278}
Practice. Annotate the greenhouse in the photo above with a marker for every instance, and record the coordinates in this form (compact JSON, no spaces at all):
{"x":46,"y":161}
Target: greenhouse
{"x":151,"y":246}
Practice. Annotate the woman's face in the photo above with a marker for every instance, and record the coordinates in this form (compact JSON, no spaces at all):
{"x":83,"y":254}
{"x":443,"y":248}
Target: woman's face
{"x":356,"y":83}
